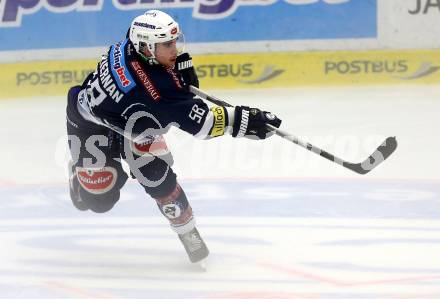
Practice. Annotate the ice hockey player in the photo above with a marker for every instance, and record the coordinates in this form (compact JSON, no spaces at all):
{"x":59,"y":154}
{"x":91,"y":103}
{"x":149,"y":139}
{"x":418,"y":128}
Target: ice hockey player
{"x":138,"y":90}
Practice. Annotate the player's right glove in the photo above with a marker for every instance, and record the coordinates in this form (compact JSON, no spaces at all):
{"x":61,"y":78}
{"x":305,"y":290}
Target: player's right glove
{"x":251,"y":123}
{"x":184,"y":66}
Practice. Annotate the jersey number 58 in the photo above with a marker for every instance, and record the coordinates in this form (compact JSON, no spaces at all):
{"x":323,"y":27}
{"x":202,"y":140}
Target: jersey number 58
{"x":196,"y":113}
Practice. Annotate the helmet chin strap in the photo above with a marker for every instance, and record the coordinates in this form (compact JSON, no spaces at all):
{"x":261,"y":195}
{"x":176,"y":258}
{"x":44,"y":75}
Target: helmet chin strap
{"x":149,"y":59}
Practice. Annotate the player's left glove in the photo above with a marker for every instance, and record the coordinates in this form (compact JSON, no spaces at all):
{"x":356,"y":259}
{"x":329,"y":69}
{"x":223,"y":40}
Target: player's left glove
{"x":184,"y":66}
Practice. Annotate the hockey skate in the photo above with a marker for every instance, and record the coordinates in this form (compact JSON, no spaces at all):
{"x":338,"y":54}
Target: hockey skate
{"x":194,"y":245}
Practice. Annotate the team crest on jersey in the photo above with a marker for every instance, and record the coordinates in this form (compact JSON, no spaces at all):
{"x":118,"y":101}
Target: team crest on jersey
{"x":119,"y":68}
{"x":97,"y":181}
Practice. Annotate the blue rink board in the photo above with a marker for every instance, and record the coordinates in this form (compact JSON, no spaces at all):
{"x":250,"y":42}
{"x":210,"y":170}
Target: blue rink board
{"x":31,"y":28}
{"x":249,"y":198}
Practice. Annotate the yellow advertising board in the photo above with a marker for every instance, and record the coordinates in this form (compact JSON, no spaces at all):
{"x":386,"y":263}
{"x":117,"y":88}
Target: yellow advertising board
{"x":259,"y":70}
{"x":42,"y":78}
{"x":319,"y":68}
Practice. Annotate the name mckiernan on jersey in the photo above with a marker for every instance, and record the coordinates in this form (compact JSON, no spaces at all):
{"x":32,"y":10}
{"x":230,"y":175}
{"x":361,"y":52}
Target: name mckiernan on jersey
{"x":107,"y":81}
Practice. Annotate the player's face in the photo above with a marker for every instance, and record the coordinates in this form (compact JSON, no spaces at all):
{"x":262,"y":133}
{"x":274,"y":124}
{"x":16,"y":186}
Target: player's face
{"x":166,"y":53}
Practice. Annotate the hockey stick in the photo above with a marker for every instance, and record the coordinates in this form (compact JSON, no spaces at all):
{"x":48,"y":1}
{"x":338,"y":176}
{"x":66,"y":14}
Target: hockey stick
{"x":378,"y":156}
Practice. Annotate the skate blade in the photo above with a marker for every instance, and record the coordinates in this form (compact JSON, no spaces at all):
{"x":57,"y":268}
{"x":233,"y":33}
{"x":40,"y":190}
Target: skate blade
{"x":202,"y":265}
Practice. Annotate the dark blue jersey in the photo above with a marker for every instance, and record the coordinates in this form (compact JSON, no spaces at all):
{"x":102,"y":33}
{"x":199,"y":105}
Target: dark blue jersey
{"x":139,"y":99}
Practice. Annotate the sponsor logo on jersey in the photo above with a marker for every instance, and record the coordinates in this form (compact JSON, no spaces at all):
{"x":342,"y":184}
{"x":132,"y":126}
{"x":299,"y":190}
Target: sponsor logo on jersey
{"x":145,"y":80}
{"x":218,"y":129}
{"x":97,"y":181}
{"x":174,"y":76}
{"x":155,"y":147}
{"x":107,"y":81}
{"x":119,"y":68}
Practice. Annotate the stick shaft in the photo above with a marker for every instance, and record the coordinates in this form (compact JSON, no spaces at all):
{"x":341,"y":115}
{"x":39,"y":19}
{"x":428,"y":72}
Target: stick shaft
{"x":378,"y":156}
{"x":277,"y":131}
{"x":307,"y":145}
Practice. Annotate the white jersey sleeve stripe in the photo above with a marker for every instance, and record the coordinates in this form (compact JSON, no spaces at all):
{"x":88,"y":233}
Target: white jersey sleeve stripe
{"x":207,"y":125}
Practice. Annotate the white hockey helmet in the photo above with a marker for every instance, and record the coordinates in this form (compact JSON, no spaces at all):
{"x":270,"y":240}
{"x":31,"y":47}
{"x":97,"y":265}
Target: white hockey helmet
{"x":153,"y":27}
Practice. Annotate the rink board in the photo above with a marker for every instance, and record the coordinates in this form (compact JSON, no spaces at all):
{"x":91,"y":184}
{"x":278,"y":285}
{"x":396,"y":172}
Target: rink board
{"x":284,"y":239}
{"x":259,"y":70}
{"x":98,"y":23}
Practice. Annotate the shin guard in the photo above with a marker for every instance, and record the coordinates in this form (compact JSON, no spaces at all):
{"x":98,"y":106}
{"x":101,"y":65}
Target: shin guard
{"x":175,"y":207}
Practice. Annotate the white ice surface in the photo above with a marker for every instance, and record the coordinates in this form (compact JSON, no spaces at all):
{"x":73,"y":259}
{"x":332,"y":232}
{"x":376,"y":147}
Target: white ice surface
{"x":349,"y":122}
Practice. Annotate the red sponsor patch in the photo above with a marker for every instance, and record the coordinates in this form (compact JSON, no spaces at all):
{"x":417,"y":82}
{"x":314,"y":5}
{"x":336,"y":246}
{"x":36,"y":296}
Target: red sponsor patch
{"x":156,"y":148}
{"x":121,"y":73}
{"x":142,"y":147}
{"x":145,"y":80}
{"x":97,"y":181}
{"x":174,"y":30}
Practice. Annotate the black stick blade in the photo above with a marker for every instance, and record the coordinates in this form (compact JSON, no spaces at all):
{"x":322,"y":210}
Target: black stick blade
{"x":380,"y":154}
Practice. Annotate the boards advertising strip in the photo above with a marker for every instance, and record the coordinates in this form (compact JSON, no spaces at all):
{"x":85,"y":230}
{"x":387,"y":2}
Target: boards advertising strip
{"x":25,"y":24}
{"x":258,"y":70}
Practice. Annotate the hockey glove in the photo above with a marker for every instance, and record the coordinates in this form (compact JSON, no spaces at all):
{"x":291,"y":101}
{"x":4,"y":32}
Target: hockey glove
{"x":184,"y":66}
{"x":251,"y":123}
